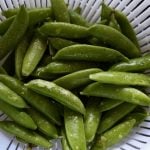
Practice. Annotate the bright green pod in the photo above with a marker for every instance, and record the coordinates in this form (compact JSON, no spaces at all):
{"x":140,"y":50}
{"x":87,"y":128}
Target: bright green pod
{"x":83,"y":52}
{"x":76,"y":79}
{"x":74,"y":128}
{"x":115,"y":39}
{"x":58,"y":93}
{"x":114,"y":115}
{"x":123,"y":93}
{"x":25,"y":134}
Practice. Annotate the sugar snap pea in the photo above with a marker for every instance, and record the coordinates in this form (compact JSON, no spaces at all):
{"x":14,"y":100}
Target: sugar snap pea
{"x":136,"y":64}
{"x":10,"y":97}
{"x":74,"y":128}
{"x":64,"y":30}
{"x":89,"y":53}
{"x":121,"y":78}
{"x":17,"y":30}
{"x":113,"y":135}
{"x":45,"y":126}
{"x":18,"y":115}
{"x":114,"y":115}
{"x":33,"y":55}
{"x":41,"y":103}
{"x":2,"y":70}
{"x":76,"y":79}
{"x":60,"y":11}
{"x":92,"y":119}
{"x":123,"y":93}
{"x":115,"y":39}
{"x":23,"y":133}
{"x":58,"y":93}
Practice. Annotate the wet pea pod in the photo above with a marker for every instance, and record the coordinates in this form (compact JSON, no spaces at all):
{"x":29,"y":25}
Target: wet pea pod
{"x":33,"y":55}
{"x":76,"y":79}
{"x":112,"y":116}
{"x":115,"y":39}
{"x":58,"y":93}
{"x":123,"y":93}
{"x":114,"y":135}
{"x":83,"y":52}
{"x":133,"y":65}
{"x":74,"y":128}
{"x":63,"y":30}
{"x":17,"y":30}
{"x":18,"y":115}
{"x":92,"y":119}
{"x":25,"y":134}
{"x":45,"y":126}
{"x":41,"y":103}
{"x":121,"y":78}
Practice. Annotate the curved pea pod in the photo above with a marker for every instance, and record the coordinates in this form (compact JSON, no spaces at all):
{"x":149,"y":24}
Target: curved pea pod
{"x":60,"y":11}
{"x":114,"y":115}
{"x":121,"y":78}
{"x":58,"y":93}
{"x":114,"y":135}
{"x":137,"y":64}
{"x":10,"y":97}
{"x":115,"y":39}
{"x":126,"y":94}
{"x":17,"y":30}
{"x":2,"y":70}
{"x":25,"y":134}
{"x":77,"y":19}
{"x":126,"y":27}
{"x":89,"y":53}
{"x":33,"y":55}
{"x":64,"y":141}
{"x":59,"y":43}
{"x":76,"y":79}
{"x":64,"y":30}
{"x":41,"y":103}
{"x":74,"y":128}
{"x":45,"y":126}
{"x":107,"y":104}
{"x":18,"y":115}
{"x":92,"y":119}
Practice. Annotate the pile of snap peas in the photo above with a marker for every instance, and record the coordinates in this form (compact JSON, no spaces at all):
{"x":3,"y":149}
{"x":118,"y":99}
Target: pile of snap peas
{"x":66,"y":78}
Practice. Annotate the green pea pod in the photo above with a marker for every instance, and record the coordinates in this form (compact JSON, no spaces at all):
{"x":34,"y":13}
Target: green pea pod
{"x":77,"y":19}
{"x":27,"y":135}
{"x":107,"y":104}
{"x":41,"y":103}
{"x":114,"y":115}
{"x":2,"y":70}
{"x":114,"y":135}
{"x":115,"y":39}
{"x":18,"y":115}
{"x":121,"y":78}
{"x":45,"y":126}
{"x":59,"y":43}
{"x":10,"y":12}
{"x":17,"y":30}
{"x":126,"y":27}
{"x":10,"y":97}
{"x":76,"y":79}
{"x":64,"y":30}
{"x":127,"y":94}
{"x":58,"y":93}
{"x":92,"y":119}
{"x":64,"y":141}
{"x":89,"y":53}
{"x":60,"y":11}
{"x":20,"y":53}
{"x":103,"y":22}
{"x":137,"y":64}
{"x":33,"y":55}
{"x":74,"y":128}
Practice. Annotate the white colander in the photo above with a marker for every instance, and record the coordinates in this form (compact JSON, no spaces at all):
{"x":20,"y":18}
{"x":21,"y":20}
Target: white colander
{"x":138,"y":12}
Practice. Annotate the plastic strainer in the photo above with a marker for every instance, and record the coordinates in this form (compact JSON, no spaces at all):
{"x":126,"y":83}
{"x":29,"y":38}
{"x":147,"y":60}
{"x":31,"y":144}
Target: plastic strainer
{"x":138,"y":12}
